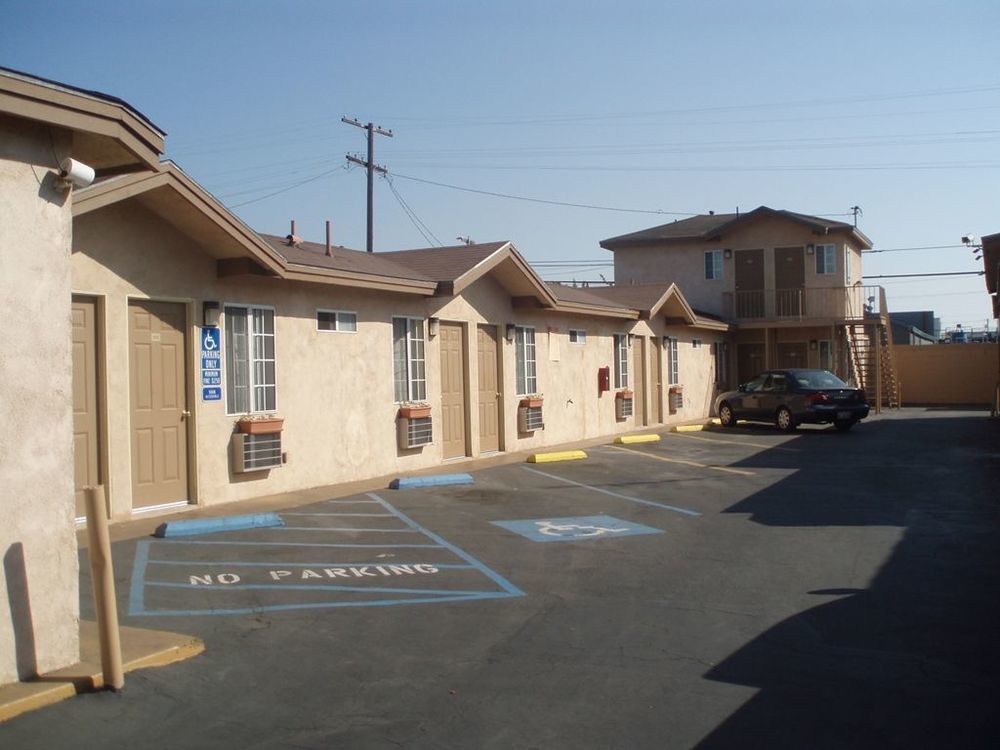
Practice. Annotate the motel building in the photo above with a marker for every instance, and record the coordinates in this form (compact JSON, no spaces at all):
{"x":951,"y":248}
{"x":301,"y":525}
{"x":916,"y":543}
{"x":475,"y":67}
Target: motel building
{"x":169,"y":353}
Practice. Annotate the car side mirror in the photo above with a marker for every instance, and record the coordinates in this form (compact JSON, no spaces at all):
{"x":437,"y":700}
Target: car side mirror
{"x":742,"y":388}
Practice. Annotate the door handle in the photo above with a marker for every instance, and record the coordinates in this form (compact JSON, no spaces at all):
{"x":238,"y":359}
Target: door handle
{"x":185,"y":413}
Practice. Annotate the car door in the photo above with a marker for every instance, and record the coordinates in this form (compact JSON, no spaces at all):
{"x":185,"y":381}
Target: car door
{"x":750,"y":400}
{"x":773,"y":394}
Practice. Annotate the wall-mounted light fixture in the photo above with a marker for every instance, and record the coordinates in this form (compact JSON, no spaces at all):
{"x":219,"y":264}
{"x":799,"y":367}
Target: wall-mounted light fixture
{"x":813,"y":344}
{"x":810,"y":249}
{"x":210,"y":314}
{"x":727,"y":253}
{"x":511,"y":330}
{"x":433,"y":325}
{"x":631,"y":338}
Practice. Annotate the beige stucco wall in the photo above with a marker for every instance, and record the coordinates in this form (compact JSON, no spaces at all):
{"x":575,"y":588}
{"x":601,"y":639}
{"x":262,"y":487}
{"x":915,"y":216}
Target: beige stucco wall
{"x":335,"y":390}
{"x":39,"y":615}
{"x":947,"y":373}
{"x":684,"y":263}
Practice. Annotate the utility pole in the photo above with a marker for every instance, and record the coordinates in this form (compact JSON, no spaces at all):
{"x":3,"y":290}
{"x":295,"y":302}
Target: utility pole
{"x":371,"y":167}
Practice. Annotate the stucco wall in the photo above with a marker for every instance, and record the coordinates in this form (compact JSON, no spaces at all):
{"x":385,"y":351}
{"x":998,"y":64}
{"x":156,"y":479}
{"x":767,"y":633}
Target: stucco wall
{"x":947,"y":373}
{"x":684,"y":263}
{"x":335,"y":390}
{"x":39,"y":616}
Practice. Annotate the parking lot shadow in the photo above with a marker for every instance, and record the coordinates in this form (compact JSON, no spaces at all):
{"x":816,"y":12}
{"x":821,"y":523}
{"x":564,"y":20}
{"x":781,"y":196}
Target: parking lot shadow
{"x":914,"y":659}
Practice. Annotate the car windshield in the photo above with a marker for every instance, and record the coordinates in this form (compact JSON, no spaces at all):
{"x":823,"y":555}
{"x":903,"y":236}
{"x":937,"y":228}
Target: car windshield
{"x":819,"y":379}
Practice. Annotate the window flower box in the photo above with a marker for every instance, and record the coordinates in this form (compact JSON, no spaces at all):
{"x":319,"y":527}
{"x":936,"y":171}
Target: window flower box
{"x":626,"y":394}
{"x":531,"y":402}
{"x":259,"y":425}
{"x":415,"y":411}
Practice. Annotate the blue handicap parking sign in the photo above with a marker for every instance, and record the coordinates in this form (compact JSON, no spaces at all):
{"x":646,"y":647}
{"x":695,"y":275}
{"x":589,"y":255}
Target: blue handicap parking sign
{"x":575,"y":528}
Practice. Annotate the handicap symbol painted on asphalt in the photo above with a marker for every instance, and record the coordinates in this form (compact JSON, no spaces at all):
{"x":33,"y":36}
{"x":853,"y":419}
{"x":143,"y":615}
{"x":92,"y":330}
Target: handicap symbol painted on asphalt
{"x":572,"y":528}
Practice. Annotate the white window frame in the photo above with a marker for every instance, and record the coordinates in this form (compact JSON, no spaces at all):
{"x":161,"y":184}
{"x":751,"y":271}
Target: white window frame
{"x":621,"y":360}
{"x":713,"y":269}
{"x":337,"y":322}
{"x":847,"y":265}
{"x":826,"y":344}
{"x":673,"y":374}
{"x":413,"y":386}
{"x":258,"y":386}
{"x":525,"y":361}
{"x":826,"y":260}
{"x":577,"y":336}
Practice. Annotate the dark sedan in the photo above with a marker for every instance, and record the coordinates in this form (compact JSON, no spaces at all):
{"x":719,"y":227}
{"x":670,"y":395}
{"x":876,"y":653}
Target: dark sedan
{"x":793,"y":397}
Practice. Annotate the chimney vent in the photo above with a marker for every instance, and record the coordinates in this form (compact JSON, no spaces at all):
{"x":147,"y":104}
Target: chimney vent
{"x":329,"y":248}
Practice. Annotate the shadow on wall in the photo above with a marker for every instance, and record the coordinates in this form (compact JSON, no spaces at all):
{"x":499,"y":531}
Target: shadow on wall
{"x":914,"y":659}
{"x":19,"y":602}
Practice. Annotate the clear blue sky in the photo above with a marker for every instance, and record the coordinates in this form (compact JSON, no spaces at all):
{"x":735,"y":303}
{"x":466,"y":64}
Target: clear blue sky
{"x":659,"y":106}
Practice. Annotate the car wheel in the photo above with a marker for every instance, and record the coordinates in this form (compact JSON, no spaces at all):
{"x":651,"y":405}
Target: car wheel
{"x":784,"y":419}
{"x":844,"y":425}
{"x":726,"y":416}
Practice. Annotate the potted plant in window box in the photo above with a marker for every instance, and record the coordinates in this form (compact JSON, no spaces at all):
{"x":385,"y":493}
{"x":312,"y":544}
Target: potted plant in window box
{"x":259,"y":424}
{"x":414,"y":411}
{"x":533,"y":401}
{"x":625,"y":394}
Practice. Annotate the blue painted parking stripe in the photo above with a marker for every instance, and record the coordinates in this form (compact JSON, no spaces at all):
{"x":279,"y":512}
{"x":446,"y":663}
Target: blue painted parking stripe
{"x":495,"y":577}
{"x":332,"y":528}
{"x":640,"y":501}
{"x":310,"y":565}
{"x":307,"y":587}
{"x":344,"y":515}
{"x":300,"y":544}
{"x":136,"y":598}
{"x":326,"y":605}
{"x":438,"y":480}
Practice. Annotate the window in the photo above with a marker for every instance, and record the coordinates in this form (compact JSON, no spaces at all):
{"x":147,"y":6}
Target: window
{"x":621,"y":360}
{"x":713,"y":264}
{"x":577,"y":336}
{"x":409,"y":377}
{"x":524,"y":360}
{"x":721,"y":354}
{"x":250,"y":381}
{"x":825,"y":260}
{"x":336,"y":320}
{"x":826,"y":355}
{"x":670,"y":345}
{"x":847,"y":266}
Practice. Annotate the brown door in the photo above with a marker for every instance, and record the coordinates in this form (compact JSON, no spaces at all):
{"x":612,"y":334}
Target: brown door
{"x":749,"y":361}
{"x":657,"y":350}
{"x":789,"y":281}
{"x":158,"y":395}
{"x":489,"y":390}
{"x":452,"y":390}
{"x":86,"y":453}
{"x":749,"y":282}
{"x":792,"y":355}
{"x":638,"y":379}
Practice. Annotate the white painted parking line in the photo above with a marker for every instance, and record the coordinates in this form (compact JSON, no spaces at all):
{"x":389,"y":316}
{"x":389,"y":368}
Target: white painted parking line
{"x":688,"y":436}
{"x":640,"y":501}
{"x":697,"y":464}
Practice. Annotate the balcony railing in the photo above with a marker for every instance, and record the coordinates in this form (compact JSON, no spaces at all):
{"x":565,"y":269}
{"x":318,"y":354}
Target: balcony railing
{"x":828,"y":303}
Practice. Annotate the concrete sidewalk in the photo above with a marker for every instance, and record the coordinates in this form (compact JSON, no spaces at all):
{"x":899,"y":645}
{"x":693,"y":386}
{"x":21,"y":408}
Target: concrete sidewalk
{"x":141,"y":648}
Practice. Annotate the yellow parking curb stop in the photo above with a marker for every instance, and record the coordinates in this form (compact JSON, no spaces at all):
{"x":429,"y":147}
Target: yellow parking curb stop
{"x":629,"y":439}
{"x":688,"y":428}
{"x":544,"y":458}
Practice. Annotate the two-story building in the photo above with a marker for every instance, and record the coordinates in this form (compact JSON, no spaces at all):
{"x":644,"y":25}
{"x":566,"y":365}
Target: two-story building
{"x":788,"y":283}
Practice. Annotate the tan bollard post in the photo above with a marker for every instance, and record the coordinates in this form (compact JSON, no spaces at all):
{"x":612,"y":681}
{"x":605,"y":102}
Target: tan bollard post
{"x":103,"y":578}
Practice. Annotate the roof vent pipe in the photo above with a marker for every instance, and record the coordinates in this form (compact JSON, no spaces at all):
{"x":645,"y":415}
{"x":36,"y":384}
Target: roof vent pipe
{"x":329,"y":249}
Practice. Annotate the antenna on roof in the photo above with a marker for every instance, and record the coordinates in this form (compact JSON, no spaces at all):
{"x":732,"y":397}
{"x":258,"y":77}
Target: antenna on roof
{"x":856,"y":210}
{"x":466,"y":240}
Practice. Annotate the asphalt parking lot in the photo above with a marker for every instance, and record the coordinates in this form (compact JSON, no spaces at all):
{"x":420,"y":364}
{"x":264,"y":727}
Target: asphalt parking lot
{"x":715,"y":589}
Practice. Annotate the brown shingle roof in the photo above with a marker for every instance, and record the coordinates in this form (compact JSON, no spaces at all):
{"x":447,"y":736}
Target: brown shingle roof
{"x":706,"y":226}
{"x":341,"y":259}
{"x":585,"y":295}
{"x":443,"y":263}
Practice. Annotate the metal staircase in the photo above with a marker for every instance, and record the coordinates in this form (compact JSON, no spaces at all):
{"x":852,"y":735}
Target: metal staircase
{"x":872,"y":363}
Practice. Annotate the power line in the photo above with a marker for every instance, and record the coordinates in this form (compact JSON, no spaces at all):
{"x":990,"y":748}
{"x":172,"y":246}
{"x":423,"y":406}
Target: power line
{"x":370,"y":167}
{"x":913,"y":275}
{"x":285,"y":189}
{"x":414,"y":219}
{"x":541,"y":200}
{"x":906,"y":249}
